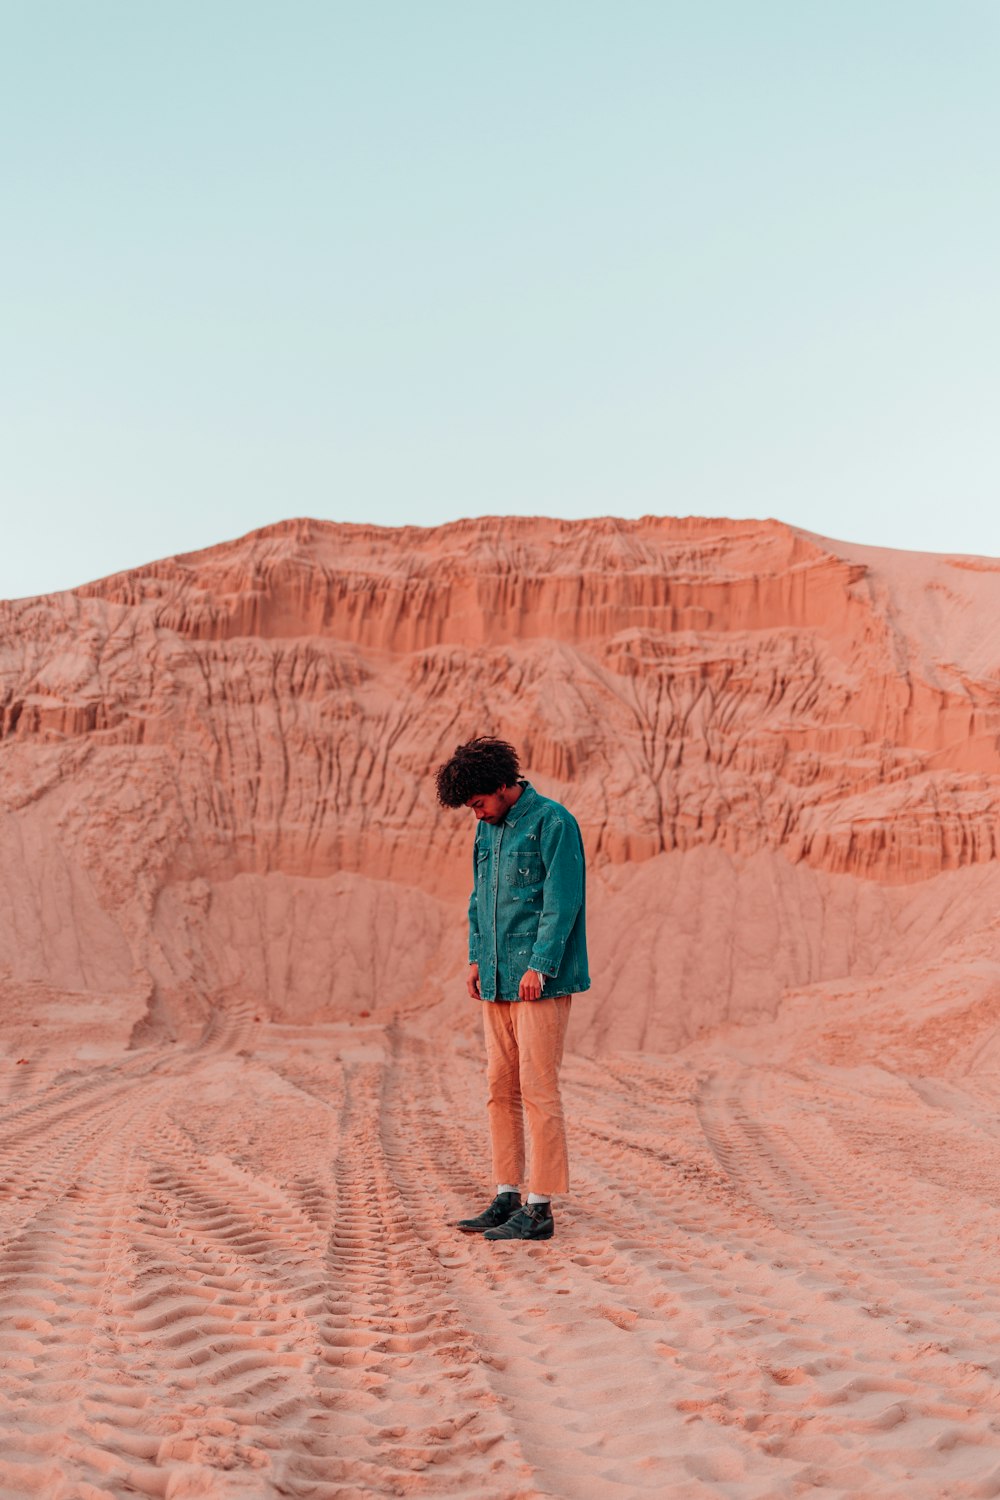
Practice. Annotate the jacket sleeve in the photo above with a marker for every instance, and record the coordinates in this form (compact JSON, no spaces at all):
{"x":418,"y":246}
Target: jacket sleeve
{"x":473,"y":914}
{"x":562,"y":892}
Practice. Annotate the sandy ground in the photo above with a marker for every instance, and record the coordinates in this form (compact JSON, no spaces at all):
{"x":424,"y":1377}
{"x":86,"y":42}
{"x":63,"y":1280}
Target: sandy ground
{"x":228,"y":1269}
{"x":228,"y":1266}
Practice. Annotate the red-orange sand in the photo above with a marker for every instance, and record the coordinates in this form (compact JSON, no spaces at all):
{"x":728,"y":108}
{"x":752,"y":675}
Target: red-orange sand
{"x":242,"y":1082}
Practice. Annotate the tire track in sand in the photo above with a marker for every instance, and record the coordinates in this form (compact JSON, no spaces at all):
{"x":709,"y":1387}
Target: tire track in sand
{"x":737,"y":1361}
{"x":581,"y":1300}
{"x":180,"y":1323}
{"x":197,"y":1303}
{"x":409,"y":1407}
{"x":57,"y":1278}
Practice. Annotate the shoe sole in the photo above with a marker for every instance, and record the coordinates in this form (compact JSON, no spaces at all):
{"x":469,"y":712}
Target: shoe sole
{"x":510,"y":1238}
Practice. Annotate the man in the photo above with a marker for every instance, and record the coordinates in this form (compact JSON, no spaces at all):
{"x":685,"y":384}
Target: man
{"x":527,"y":958}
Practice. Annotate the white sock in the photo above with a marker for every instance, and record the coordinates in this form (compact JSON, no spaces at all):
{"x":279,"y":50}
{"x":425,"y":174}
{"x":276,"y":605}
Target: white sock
{"x":508,"y":1187}
{"x":539,"y":1198}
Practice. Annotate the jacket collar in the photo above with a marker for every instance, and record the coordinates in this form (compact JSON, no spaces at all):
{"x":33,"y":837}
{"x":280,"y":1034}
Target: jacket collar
{"x":523,"y":803}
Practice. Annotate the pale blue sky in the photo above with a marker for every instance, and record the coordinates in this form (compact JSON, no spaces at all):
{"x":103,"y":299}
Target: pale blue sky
{"x":408,"y":260}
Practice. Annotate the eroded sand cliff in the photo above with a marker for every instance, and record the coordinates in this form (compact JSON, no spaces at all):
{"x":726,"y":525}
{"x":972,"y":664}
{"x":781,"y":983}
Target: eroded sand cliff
{"x":216,"y":770}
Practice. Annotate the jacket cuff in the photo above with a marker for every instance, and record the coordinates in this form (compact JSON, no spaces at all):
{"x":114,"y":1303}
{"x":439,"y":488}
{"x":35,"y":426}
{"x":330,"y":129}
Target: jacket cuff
{"x":546,"y":969}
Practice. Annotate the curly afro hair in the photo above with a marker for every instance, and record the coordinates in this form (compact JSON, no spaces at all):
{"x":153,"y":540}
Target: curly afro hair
{"x":478,"y":768}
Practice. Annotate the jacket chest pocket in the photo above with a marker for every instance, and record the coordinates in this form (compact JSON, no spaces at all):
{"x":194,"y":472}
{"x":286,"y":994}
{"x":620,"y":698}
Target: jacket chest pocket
{"x":526,"y":868}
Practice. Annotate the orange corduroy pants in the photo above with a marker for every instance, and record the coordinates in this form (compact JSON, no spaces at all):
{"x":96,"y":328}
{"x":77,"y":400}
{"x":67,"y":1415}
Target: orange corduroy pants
{"x":524,"y":1048}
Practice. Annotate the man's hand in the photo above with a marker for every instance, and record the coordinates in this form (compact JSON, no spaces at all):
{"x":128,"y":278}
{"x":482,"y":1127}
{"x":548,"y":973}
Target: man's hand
{"x":530,"y":987}
{"x":472,"y":982}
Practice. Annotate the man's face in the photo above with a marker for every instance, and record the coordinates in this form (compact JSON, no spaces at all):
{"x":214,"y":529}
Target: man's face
{"x":489,"y":808}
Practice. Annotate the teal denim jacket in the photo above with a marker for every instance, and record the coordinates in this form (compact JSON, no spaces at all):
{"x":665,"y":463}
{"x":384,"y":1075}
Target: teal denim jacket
{"x":528,"y":904}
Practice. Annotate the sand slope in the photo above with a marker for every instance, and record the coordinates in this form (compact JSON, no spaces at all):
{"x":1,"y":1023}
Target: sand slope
{"x":216,"y":770}
{"x":235,"y":1129}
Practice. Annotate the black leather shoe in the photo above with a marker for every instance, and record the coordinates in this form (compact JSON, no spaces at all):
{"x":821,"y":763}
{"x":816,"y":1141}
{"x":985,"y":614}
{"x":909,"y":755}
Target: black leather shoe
{"x":532,"y":1222}
{"x":499,"y":1211}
